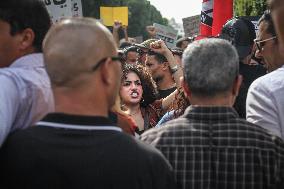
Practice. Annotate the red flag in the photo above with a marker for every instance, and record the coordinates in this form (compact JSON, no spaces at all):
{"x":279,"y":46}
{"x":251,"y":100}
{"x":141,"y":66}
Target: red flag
{"x":223,"y":11}
{"x":206,"y":18}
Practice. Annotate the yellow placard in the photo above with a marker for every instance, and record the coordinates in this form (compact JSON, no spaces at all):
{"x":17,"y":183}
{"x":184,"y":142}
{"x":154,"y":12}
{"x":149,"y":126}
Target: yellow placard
{"x":110,"y":14}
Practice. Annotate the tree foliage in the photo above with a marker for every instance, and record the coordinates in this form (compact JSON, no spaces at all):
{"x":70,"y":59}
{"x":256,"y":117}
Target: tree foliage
{"x":141,"y":13}
{"x":249,"y":7}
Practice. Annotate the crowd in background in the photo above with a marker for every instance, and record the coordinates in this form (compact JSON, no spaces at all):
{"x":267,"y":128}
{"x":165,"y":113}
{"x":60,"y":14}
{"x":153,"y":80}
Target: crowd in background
{"x":80,"y":108}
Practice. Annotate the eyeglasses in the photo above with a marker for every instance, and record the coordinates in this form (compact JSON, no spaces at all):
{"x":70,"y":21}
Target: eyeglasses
{"x":260,"y":44}
{"x":114,"y":58}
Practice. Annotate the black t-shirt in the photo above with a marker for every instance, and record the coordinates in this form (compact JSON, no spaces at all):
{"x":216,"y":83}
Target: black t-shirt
{"x":51,"y":157}
{"x":165,"y":93}
{"x":249,"y":73}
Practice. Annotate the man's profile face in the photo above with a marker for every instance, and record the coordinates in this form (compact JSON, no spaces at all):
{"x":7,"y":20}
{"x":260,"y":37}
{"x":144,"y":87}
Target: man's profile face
{"x":269,"y":49}
{"x":154,"y":67}
{"x":8,"y":45}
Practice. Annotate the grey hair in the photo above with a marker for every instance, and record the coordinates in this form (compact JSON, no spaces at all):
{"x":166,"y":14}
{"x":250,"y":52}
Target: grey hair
{"x":210,"y":66}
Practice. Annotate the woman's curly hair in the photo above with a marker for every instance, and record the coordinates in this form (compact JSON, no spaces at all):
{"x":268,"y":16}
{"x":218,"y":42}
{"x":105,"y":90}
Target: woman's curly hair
{"x":180,"y":103}
{"x":149,"y":87}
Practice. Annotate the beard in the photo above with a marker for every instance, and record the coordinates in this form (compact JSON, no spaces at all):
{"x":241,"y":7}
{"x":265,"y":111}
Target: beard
{"x":158,"y":78}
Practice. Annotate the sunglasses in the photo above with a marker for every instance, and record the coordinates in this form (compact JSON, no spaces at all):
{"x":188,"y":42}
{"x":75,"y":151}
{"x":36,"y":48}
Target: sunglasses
{"x":260,"y":44}
{"x":114,"y":58}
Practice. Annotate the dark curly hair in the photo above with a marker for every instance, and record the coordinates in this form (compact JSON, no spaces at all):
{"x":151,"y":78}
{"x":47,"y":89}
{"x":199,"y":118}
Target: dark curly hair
{"x":180,"y":103}
{"x":149,"y":87}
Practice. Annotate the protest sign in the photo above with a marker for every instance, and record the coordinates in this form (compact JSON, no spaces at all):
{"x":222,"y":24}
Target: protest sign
{"x":77,"y":8}
{"x":59,"y":9}
{"x":111,"y":14}
{"x":167,"y":34}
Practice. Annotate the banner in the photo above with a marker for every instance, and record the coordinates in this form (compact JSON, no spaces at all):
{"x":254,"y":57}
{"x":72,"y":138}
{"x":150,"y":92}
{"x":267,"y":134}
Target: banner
{"x":167,"y":34}
{"x":223,"y":11}
{"x":59,"y":9}
{"x":206,"y":18}
{"x":110,"y":14}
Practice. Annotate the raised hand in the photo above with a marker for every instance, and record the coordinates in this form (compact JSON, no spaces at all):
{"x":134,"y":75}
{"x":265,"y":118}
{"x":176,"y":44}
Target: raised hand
{"x":117,"y":24}
{"x":160,"y":47}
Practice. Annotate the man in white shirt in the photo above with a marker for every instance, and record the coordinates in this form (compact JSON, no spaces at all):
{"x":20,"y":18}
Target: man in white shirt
{"x":25,"y":95}
{"x":265,"y":99}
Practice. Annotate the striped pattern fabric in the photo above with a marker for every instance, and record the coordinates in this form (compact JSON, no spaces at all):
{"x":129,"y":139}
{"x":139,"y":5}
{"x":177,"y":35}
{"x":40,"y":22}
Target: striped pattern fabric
{"x":211,"y":147}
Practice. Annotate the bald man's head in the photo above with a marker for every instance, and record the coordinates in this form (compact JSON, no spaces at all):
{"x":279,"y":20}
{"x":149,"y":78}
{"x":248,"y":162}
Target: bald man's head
{"x":73,"y":46}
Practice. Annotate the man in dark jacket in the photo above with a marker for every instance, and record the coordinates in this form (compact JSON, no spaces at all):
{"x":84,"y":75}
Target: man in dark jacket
{"x":78,"y":146}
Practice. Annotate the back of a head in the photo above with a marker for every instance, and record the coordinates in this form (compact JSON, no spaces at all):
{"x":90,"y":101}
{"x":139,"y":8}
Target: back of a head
{"x":241,"y":33}
{"x":25,"y":14}
{"x":73,"y":47}
{"x":210,"y":67}
{"x":124,"y":45}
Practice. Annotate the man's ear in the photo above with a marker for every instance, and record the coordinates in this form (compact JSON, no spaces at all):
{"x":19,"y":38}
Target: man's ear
{"x":237,"y":84}
{"x":165,"y":66}
{"x":27,"y":37}
{"x":185,"y":87}
{"x":105,"y":71}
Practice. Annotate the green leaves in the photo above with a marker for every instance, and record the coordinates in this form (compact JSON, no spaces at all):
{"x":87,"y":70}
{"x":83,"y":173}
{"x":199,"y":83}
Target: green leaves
{"x":249,"y":7}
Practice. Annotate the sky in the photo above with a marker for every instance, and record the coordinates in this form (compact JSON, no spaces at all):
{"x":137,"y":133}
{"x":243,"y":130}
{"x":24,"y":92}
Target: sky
{"x":178,"y":9}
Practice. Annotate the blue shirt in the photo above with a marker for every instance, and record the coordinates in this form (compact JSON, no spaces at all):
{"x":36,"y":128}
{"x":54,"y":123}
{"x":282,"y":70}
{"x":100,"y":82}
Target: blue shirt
{"x":25,"y":94}
{"x":167,"y":117}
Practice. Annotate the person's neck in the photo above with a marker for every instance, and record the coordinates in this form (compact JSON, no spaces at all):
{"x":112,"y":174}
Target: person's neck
{"x":166,"y":83}
{"x":18,"y":56}
{"x":227,"y":101}
{"x":78,"y":105}
{"x":132,"y":110}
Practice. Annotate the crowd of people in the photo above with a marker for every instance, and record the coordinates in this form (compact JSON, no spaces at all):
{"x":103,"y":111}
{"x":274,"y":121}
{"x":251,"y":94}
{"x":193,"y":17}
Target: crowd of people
{"x":80,"y":108}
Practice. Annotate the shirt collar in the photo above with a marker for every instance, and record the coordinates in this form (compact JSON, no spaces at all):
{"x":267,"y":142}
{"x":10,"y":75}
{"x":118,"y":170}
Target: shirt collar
{"x":30,"y":60}
{"x":77,"y":119}
{"x":210,"y":113}
{"x":78,"y":122}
